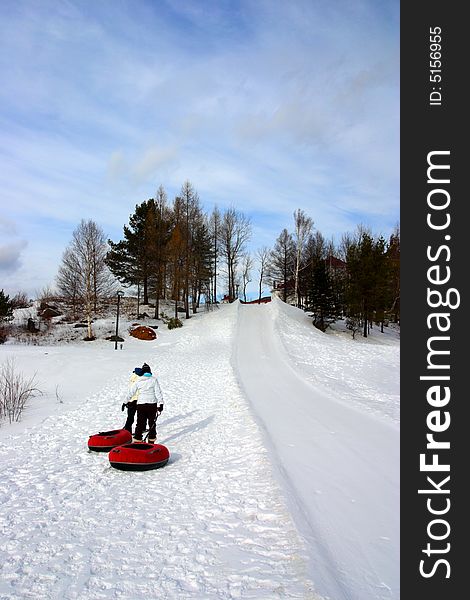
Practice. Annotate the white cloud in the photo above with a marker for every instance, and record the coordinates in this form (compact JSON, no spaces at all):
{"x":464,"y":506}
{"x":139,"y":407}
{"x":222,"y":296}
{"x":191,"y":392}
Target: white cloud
{"x":10,"y":256}
{"x":268,"y":105}
{"x":153,"y":159}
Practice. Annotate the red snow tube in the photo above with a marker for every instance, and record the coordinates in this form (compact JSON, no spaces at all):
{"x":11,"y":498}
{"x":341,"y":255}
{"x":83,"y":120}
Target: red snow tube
{"x":139,"y":456}
{"x":104,"y":441}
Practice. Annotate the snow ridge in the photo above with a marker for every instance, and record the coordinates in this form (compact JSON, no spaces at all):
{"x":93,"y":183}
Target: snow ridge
{"x":341,"y":366}
{"x":337,"y":462}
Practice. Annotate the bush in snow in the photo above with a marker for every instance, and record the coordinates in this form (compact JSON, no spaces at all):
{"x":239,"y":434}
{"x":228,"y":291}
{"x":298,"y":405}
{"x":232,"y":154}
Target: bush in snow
{"x":20,"y":300}
{"x":171,"y":322}
{"x":174,"y":322}
{"x":353,"y":324}
{"x":15,"y":391}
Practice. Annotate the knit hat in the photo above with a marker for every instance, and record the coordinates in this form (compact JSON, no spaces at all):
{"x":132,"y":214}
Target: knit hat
{"x":146,"y":368}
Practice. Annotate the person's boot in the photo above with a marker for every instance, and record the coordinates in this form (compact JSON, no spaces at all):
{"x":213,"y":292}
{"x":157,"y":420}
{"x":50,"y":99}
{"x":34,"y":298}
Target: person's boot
{"x":151,"y":441}
{"x":136,"y":441}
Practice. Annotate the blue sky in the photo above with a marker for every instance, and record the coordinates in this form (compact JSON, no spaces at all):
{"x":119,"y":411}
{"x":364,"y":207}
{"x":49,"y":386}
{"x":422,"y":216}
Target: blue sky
{"x":265,"y":105}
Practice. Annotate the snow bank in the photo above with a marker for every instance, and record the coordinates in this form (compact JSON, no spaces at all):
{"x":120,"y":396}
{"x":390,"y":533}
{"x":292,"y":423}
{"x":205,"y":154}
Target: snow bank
{"x":364,"y":372}
{"x":337,"y":455}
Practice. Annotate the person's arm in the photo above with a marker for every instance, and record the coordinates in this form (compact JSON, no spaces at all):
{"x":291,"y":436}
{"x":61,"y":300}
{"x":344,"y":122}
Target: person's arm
{"x":131,"y":392}
{"x":158,"y":395}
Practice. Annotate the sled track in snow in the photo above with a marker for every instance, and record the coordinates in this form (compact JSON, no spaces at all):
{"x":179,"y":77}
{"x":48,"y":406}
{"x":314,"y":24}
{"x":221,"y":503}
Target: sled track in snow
{"x":340,"y":472}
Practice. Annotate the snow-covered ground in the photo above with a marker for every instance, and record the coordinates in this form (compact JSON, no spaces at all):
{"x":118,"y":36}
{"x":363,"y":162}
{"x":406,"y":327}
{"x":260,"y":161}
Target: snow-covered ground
{"x":282,"y":482}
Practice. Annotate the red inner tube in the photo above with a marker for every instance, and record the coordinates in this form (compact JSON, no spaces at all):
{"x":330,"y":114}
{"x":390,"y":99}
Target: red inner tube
{"x":139,"y":456}
{"x":105,"y":440}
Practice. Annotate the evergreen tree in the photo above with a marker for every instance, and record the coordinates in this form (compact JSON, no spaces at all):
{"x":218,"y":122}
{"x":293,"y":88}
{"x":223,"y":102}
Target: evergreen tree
{"x":6,"y":307}
{"x":393,"y":255}
{"x":177,"y":252}
{"x":321,"y":298}
{"x":381,"y":297}
{"x":317,"y":281}
{"x":130,"y":259}
{"x":367,"y":272}
{"x":201,"y":260}
{"x":191,"y":212}
{"x":313,"y":254}
{"x":160,"y":246}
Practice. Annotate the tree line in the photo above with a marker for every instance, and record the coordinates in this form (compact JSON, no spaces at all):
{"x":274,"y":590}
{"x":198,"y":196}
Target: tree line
{"x":175,"y":251}
{"x":357,"y":279}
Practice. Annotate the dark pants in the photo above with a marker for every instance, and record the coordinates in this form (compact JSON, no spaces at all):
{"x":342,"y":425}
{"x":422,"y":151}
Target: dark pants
{"x":131,"y":409}
{"x":146,"y":413}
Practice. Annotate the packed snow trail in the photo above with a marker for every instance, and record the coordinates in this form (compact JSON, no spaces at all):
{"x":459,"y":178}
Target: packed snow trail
{"x":339,"y":465}
{"x":211,"y":525}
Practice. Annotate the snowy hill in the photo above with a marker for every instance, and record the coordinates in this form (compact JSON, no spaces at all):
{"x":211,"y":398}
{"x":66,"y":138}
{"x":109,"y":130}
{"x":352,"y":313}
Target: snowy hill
{"x":282,"y":482}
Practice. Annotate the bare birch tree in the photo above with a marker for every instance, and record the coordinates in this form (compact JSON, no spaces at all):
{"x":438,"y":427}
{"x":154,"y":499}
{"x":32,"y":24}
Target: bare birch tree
{"x":303,"y":226}
{"x":262,"y":255}
{"x":234,"y":232}
{"x":68,"y":280}
{"x":246,"y":267}
{"x":214,"y":230}
{"x":83,"y":270}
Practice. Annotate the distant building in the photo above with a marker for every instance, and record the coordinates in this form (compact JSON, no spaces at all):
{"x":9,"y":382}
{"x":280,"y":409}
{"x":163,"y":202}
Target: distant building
{"x":335,"y":264}
{"x":263,"y":300}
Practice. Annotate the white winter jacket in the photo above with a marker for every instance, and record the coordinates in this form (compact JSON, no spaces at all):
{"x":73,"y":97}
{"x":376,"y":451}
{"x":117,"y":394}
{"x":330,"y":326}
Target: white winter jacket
{"x":132,"y":380}
{"x":146,"y":390}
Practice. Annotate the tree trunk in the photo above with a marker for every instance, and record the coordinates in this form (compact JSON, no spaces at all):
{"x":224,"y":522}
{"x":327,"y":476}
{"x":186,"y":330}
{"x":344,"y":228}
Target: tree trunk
{"x":90,"y":333}
{"x":366,"y":319}
{"x":284,"y":292}
{"x":157,"y":306}
{"x":146,"y":294}
{"x":138,"y":300}
{"x":215,"y":274}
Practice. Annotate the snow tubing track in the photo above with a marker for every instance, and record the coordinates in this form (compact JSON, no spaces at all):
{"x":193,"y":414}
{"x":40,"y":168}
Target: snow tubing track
{"x":104,"y":441}
{"x":139,"y":456}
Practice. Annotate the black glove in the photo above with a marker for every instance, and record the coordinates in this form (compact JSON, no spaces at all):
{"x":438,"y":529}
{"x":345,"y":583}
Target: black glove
{"x":123,"y":406}
{"x":160,"y":408}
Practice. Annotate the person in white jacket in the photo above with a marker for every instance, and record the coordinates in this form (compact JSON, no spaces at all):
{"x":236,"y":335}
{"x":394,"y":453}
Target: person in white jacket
{"x":132,"y":404}
{"x":148,"y":395}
